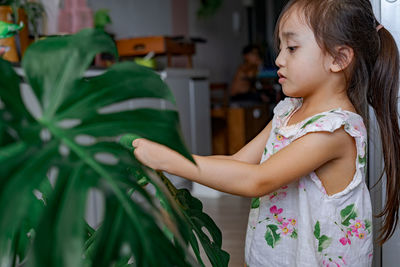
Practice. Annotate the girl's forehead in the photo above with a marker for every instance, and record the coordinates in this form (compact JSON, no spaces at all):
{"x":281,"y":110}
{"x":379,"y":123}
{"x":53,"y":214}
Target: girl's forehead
{"x":293,"y":23}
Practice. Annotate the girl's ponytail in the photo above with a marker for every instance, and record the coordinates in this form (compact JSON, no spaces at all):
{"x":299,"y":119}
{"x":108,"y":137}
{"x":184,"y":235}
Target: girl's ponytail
{"x":383,"y":97}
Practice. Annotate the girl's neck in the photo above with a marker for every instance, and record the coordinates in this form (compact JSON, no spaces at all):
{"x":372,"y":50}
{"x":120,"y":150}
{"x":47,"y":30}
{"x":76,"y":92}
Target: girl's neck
{"x":325,"y":100}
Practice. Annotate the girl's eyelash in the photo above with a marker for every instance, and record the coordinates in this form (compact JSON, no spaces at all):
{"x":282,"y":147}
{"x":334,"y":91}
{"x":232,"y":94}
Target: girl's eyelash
{"x":291,"y":48}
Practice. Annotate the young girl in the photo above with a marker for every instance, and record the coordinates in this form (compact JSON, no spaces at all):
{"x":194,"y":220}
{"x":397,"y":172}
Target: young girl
{"x":306,"y":169}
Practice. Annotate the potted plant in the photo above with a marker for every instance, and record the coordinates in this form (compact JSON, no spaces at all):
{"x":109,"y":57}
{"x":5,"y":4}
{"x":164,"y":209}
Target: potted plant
{"x":41,"y":127}
{"x":208,"y":7}
{"x":17,"y":11}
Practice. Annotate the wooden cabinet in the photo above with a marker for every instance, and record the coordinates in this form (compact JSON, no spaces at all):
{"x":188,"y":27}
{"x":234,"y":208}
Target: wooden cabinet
{"x":243,"y":124}
{"x":160,"y":45}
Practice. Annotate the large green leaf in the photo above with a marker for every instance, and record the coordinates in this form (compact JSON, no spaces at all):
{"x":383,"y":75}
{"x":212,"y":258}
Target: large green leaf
{"x":47,"y":225}
{"x":54,"y":65}
{"x":57,"y":226}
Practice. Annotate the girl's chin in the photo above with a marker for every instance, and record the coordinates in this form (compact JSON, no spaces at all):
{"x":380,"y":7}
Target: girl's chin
{"x":290,"y":92}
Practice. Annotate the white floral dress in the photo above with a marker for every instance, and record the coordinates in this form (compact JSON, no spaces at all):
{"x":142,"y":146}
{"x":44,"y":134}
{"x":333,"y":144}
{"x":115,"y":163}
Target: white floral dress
{"x":299,"y":224}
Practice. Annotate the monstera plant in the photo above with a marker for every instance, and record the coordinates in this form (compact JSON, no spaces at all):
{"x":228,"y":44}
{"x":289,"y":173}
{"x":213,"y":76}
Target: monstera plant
{"x":59,"y":126}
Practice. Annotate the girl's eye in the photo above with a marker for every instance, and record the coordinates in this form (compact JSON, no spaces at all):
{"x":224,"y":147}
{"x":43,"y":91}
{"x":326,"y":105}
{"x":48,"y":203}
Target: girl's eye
{"x":291,"y":48}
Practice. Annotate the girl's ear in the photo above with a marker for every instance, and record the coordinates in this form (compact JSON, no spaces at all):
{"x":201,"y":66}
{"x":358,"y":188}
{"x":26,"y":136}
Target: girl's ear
{"x":344,"y":57}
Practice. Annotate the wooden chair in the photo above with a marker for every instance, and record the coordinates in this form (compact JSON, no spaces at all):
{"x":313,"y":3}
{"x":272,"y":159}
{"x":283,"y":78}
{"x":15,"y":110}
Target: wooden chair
{"x":233,"y":126}
{"x":219,"y":94}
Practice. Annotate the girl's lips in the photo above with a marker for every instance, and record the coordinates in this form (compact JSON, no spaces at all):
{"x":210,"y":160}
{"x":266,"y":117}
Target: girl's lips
{"x":282,"y":78}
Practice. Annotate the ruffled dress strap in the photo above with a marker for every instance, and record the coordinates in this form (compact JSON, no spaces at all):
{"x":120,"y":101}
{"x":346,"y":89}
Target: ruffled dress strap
{"x":284,"y":109}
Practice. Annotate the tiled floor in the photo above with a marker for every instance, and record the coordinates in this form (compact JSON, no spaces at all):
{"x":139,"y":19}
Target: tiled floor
{"x":230,"y":213}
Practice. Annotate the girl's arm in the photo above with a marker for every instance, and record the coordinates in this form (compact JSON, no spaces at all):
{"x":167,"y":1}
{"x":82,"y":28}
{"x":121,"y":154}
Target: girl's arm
{"x":252,"y":152}
{"x":246,"y":179}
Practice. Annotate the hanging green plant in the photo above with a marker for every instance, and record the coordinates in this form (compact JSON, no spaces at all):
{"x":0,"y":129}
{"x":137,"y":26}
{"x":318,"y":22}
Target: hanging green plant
{"x":43,"y":224}
{"x":34,"y":11}
{"x":208,"y":7}
{"x":101,"y":18}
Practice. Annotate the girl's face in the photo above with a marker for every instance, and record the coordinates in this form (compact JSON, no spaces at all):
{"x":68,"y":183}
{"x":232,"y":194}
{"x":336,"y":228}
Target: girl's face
{"x":303,"y":67}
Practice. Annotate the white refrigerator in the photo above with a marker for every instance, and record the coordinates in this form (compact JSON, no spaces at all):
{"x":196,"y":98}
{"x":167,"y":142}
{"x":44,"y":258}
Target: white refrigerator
{"x":388,"y":13}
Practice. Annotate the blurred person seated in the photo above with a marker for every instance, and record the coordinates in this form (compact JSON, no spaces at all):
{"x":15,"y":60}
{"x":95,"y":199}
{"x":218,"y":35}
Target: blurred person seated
{"x":253,"y":83}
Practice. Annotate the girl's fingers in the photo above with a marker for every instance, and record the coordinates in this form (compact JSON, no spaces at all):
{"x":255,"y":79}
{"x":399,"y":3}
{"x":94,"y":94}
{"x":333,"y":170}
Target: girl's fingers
{"x":136,"y":142}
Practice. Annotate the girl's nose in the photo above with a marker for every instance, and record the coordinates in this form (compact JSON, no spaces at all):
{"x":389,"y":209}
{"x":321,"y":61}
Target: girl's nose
{"x":279,"y":61}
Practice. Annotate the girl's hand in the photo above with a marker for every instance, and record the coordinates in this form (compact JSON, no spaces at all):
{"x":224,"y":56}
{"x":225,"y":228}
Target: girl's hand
{"x":151,"y":154}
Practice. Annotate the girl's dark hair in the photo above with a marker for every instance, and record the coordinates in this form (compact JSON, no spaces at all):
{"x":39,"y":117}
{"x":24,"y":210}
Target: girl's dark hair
{"x":373,"y":80}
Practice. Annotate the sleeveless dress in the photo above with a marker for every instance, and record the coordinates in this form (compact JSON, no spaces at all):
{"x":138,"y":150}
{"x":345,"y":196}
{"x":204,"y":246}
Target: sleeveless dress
{"x":299,"y":224}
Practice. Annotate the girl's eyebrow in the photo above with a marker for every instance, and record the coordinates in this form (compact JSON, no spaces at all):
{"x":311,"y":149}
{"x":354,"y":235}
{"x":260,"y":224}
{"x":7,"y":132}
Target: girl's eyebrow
{"x":289,"y":35}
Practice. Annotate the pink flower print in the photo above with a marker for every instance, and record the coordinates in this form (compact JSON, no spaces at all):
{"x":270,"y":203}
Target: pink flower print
{"x":333,"y":263}
{"x":275,"y":211}
{"x":282,"y":140}
{"x":276,"y":147}
{"x":285,"y":228}
{"x":359,"y":127}
{"x":275,"y":196}
{"x":346,"y":240}
{"x":280,"y":137}
{"x":370,"y":256}
{"x":319,"y":125}
{"x":278,"y":195}
{"x":330,"y":264}
{"x":356,"y":225}
{"x":361,"y":234}
{"x":293,"y":222}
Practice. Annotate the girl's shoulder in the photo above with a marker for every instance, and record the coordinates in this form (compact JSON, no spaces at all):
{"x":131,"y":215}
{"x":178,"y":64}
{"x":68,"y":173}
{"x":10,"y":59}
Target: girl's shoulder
{"x":328,"y":121}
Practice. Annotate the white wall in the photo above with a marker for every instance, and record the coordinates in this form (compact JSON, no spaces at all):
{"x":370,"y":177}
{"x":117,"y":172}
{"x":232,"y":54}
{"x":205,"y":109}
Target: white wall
{"x":132,"y":18}
{"x":222,"y":52}
{"x":51,"y":8}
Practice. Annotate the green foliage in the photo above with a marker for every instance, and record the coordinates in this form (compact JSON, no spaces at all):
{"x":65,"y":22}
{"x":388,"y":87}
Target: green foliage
{"x":43,"y":224}
{"x":34,"y":11}
{"x":101,"y":18}
{"x":208,"y":7}
{"x":6,"y":2}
